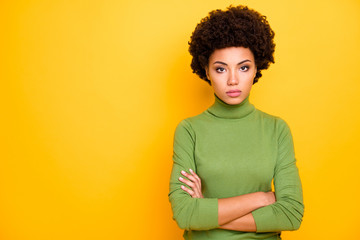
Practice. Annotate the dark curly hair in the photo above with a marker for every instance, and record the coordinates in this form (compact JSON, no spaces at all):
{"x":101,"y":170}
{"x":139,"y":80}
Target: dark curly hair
{"x":236,"y":27}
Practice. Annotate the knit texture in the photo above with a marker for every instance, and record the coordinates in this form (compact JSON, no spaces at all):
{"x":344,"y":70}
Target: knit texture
{"x":235,"y":150}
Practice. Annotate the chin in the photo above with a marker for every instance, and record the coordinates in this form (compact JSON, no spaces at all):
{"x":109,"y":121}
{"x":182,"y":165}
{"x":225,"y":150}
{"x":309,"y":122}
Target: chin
{"x":234,"y":101}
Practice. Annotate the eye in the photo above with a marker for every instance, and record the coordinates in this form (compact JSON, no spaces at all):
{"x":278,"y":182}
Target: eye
{"x":244,"y":68}
{"x":220,"y":69}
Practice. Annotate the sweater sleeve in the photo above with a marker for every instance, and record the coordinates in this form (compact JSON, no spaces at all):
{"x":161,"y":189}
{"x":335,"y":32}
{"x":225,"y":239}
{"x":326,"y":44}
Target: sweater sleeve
{"x":189,"y":213}
{"x":287,"y":212}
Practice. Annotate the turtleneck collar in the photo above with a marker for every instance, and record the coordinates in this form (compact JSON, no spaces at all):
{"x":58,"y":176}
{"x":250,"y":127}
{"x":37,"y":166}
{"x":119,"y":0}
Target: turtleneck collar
{"x":222,"y":109}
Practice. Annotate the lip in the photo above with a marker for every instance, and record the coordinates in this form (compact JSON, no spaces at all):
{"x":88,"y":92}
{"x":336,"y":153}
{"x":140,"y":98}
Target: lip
{"x":233,"y":93}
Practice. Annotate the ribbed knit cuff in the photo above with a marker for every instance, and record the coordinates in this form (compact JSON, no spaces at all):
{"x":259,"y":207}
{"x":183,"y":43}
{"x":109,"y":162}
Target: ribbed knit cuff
{"x":208,"y":211}
{"x":261,"y":216}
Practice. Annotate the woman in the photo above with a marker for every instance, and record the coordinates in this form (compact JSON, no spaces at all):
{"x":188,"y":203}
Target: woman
{"x":225,"y":158}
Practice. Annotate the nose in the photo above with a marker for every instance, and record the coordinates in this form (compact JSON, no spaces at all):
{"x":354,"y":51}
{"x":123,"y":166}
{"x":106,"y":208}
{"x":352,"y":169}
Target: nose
{"x":233,"y":78}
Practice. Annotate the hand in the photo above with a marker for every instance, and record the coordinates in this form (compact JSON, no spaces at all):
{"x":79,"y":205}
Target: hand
{"x":195,"y":184}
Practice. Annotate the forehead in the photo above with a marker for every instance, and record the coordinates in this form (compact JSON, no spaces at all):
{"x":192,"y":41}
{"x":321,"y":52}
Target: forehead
{"x":231,"y":54}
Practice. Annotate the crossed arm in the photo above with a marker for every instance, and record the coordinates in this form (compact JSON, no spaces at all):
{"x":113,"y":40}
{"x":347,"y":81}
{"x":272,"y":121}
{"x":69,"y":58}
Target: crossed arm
{"x":255,"y":212}
{"x":234,"y":213}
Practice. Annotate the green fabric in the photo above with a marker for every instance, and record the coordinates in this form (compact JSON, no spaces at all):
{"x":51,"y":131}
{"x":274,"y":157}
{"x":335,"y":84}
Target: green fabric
{"x":235,"y":149}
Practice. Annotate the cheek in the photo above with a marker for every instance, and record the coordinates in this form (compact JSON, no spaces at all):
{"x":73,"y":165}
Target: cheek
{"x":217,"y":86}
{"x":249,"y":84}
{"x":215,"y":81}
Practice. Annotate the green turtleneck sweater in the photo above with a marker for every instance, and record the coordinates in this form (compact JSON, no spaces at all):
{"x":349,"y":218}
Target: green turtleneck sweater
{"x":235,"y":150}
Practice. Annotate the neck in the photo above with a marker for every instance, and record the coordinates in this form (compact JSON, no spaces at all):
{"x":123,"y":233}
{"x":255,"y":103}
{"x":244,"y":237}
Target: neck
{"x":222,"y":109}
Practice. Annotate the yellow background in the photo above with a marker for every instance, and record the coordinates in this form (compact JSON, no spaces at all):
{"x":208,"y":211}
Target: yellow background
{"x":91,"y":92}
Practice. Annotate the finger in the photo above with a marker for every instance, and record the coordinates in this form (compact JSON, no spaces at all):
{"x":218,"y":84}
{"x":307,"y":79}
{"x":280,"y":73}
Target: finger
{"x":189,"y":176}
{"x":189,"y":183}
{"x":196,"y":190}
{"x":187,"y":190}
{"x":198,"y":180}
{"x":195,"y":184}
{"x":195,"y":175}
{"x":194,"y":194}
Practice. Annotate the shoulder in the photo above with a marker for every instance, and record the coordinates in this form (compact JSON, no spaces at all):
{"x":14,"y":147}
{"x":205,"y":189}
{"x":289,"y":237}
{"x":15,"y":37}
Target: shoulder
{"x":190,"y":126}
{"x":271,"y":118}
{"x":191,"y":122}
{"x":266,"y":115}
{"x":279,"y":123}
{"x":282,"y":129}
{"x":184,"y":129}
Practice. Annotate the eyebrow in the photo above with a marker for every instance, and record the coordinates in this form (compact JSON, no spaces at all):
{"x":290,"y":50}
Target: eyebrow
{"x":247,"y":60}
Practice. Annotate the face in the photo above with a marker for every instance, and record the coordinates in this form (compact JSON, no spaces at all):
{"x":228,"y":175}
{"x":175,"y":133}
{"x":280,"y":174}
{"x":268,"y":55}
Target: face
{"x":231,"y":72}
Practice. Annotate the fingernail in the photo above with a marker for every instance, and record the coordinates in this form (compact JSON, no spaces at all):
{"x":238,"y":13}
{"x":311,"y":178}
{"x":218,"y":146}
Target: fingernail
{"x":183,"y":172}
{"x":191,"y":170}
{"x":180,"y":178}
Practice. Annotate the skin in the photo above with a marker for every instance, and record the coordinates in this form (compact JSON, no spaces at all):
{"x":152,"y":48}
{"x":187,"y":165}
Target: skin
{"x":229,"y":69}
{"x":234,"y":212}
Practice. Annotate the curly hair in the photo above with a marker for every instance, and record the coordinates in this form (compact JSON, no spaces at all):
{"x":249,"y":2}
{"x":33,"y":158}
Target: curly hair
{"x":236,"y":27}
